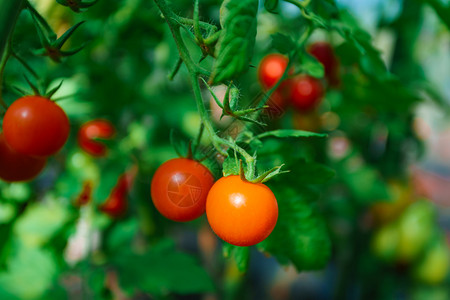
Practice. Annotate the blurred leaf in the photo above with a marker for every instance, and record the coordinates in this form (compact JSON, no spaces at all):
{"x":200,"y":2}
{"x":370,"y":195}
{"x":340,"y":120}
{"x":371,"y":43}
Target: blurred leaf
{"x":300,"y":236}
{"x":283,"y":43}
{"x":161,"y":270}
{"x":235,"y":46}
{"x":442,"y":10}
{"x":311,"y":66}
{"x":123,"y":234}
{"x":313,"y":173}
{"x":40,"y":222}
{"x":30,"y":273}
{"x":271,"y":5}
{"x":240,"y":255}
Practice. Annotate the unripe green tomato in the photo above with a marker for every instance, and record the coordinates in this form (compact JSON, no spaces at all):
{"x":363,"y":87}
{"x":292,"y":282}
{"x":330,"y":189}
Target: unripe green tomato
{"x":416,"y":226}
{"x":434,"y":267}
{"x":385,"y":242}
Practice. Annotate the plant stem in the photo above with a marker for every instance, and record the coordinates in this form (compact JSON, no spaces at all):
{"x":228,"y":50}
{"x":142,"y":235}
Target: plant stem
{"x":9,"y":12}
{"x":194,"y":71}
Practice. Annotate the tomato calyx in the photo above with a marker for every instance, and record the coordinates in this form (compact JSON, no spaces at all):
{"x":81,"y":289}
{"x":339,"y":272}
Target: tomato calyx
{"x":249,"y":175}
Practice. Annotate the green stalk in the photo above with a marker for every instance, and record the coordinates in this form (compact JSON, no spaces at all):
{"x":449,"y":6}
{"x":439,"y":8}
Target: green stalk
{"x":9,"y":12}
{"x":173,"y":22}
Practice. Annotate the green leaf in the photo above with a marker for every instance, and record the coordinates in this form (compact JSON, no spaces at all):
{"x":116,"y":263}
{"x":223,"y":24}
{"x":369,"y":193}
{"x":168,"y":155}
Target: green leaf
{"x":300,"y":236}
{"x":160,"y":270}
{"x":282,"y":43}
{"x":235,"y":46}
{"x":30,"y":274}
{"x":240,"y":255}
{"x":442,"y":10}
{"x":313,"y":173}
{"x":271,"y":5}
{"x":289,"y":133}
{"x":311,"y":66}
{"x":230,"y":166}
{"x":41,"y":222}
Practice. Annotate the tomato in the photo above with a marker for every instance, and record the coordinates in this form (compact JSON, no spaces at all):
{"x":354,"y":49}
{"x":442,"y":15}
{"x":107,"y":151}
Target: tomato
{"x":240,"y":212}
{"x":271,"y":68}
{"x":15,"y":166}
{"x":117,"y":203}
{"x":324,"y":53}
{"x":36,"y":126}
{"x":92,"y":130}
{"x":305,"y":92}
{"x":179,"y":189}
{"x":276,"y":105}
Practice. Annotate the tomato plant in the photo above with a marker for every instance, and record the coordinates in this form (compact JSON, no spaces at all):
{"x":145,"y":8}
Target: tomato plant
{"x":36,"y":126}
{"x":92,"y":130}
{"x":241,"y":213}
{"x":179,"y":189}
{"x":15,"y":166}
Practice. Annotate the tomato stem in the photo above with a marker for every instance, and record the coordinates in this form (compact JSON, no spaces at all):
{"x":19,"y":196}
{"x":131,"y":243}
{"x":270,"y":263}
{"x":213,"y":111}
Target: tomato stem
{"x":173,"y":21}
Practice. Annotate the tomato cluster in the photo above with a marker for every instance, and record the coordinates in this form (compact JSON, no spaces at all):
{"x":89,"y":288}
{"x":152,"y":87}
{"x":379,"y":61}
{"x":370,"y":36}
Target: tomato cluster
{"x":239,"y":212}
{"x":302,"y":91}
{"x":34,"y":128}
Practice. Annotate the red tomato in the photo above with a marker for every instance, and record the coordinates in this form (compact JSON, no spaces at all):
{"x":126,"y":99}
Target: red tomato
{"x":241,"y":213}
{"x":36,"y":126}
{"x":117,"y":203}
{"x":271,"y":68}
{"x":92,"y":130}
{"x":15,"y":166}
{"x":324,"y":53}
{"x":305,"y":92}
{"x":179,"y":189}
{"x":277,"y":105}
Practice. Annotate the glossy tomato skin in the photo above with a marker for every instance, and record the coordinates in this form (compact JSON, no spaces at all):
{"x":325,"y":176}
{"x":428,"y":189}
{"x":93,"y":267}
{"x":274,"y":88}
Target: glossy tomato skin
{"x":36,"y":126}
{"x":179,"y":189}
{"x":271,"y":68}
{"x":305,"y":93}
{"x":89,"y":131}
{"x":241,"y":213}
{"x":15,"y":167}
{"x":324,"y":53}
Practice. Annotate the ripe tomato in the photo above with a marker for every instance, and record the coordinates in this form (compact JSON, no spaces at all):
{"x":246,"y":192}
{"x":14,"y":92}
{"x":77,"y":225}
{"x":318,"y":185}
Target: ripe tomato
{"x":271,"y":68}
{"x":324,"y":53}
{"x":241,"y":213}
{"x":15,"y":166}
{"x":179,"y":189}
{"x":305,"y":92}
{"x":36,"y":126}
{"x":92,"y":130}
{"x":117,"y":203}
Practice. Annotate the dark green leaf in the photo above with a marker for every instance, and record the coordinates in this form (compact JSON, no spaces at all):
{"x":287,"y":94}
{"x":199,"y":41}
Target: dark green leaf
{"x":271,"y":5}
{"x":237,"y":40}
{"x":162,"y":270}
{"x":300,"y":236}
{"x":282,"y":43}
{"x":313,"y":173}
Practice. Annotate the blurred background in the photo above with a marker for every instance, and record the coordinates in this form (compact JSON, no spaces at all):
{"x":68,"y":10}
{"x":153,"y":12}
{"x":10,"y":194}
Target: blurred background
{"x":385,"y":213}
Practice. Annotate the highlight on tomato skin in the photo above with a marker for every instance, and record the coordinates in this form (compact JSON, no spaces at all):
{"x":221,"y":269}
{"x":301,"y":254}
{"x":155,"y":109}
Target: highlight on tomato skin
{"x":116,"y":205}
{"x":271,"y":69}
{"x":179,"y":189}
{"x":92,"y":130}
{"x":15,"y":166}
{"x":241,"y":213}
{"x":36,"y":126}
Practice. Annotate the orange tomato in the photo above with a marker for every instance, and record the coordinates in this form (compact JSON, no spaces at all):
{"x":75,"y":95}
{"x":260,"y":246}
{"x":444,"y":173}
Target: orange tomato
{"x":240,"y":212}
